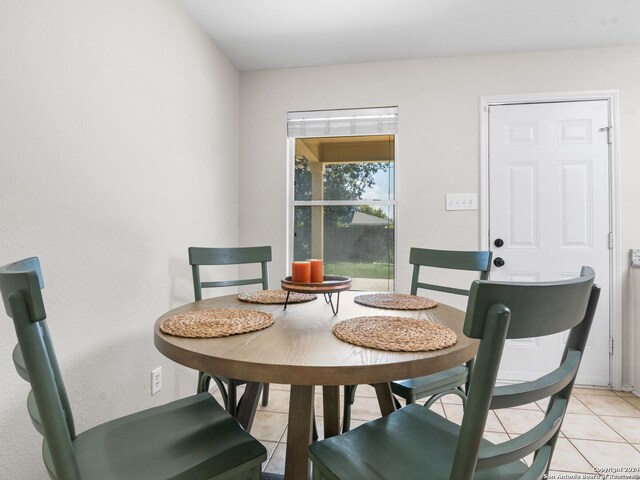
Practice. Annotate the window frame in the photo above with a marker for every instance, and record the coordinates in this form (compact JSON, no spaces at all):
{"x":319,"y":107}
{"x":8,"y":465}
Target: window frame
{"x":292,"y":203}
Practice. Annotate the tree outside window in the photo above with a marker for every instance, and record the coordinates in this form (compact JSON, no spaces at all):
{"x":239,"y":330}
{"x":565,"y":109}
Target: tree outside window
{"x":344,"y":207}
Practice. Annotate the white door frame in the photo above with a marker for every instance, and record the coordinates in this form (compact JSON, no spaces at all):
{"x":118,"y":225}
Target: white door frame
{"x":615,"y":307}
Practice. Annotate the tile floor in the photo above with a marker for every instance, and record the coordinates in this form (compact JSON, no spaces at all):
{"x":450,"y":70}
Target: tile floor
{"x":601,"y":428}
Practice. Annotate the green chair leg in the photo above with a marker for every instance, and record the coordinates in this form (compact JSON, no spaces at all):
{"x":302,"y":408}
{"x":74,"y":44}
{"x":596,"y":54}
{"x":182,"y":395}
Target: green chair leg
{"x":454,"y":391}
{"x":349,"y":398}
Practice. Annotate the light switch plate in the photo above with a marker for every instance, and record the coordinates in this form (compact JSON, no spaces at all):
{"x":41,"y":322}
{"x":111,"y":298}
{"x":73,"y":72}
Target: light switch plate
{"x":461,"y":201}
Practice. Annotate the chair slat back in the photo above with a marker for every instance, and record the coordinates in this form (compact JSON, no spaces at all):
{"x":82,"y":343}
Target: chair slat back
{"x":546,"y":309}
{"x":32,"y":408}
{"x":496,"y":312}
{"x":18,"y":362}
{"x":448,"y":259}
{"x":228,"y":256}
{"x":28,"y":279}
{"x":48,"y":404}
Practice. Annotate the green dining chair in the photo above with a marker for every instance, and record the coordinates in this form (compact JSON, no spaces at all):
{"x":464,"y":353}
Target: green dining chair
{"x":415,"y":443}
{"x":191,"y":438}
{"x":199,"y":256}
{"x":450,"y":381}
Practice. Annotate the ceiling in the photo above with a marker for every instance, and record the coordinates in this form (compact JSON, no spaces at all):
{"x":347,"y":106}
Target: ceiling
{"x":360,"y":148}
{"x":266,"y":34}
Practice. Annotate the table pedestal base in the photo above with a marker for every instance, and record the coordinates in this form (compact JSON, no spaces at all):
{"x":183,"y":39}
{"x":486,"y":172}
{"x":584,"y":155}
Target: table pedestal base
{"x":301,"y":419}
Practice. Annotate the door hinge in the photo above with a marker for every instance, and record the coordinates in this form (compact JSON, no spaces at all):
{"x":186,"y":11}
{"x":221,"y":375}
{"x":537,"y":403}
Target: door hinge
{"x":610,"y":240}
{"x":610,"y":345}
{"x":609,"y":131}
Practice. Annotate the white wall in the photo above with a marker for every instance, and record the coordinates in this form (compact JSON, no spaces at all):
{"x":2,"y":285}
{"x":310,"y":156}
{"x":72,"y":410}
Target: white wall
{"x":438,"y":144}
{"x":118,"y":150}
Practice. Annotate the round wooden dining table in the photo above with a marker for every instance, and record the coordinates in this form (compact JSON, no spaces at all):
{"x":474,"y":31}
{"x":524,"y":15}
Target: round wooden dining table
{"x":300,"y":350}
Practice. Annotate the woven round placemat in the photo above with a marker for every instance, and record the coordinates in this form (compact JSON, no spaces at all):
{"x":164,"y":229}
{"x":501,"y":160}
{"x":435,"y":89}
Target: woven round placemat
{"x":395,"y":301}
{"x":397,"y":334}
{"x":219,"y":322}
{"x":275,"y":297}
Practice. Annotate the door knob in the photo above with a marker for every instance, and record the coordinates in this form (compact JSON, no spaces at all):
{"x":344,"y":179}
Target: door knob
{"x":498,"y":261}
{"x":498,"y":242}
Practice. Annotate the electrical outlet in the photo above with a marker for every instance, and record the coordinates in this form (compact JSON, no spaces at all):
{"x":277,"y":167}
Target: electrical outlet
{"x":156,"y":380}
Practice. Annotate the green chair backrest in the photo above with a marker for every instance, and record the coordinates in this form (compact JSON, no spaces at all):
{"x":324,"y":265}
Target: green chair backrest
{"x":497,"y":311}
{"x":35,"y":360}
{"x":228,"y":256}
{"x":449,"y":259}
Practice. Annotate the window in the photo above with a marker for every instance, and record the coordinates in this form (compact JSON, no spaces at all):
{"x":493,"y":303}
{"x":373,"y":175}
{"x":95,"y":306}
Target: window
{"x":343,"y":193}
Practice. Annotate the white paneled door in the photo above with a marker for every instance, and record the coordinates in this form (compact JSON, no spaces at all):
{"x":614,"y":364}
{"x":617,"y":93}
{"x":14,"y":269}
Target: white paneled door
{"x":549,"y":215}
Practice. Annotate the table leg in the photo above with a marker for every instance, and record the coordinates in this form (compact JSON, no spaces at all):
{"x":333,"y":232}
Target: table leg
{"x":248,"y":405}
{"x":331,"y":409}
{"x":385,"y":398}
{"x":299,"y":432}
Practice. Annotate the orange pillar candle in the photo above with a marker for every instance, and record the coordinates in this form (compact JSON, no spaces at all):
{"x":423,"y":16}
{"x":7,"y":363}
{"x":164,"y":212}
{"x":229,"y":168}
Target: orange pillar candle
{"x":301,"y":272}
{"x":317,"y":271}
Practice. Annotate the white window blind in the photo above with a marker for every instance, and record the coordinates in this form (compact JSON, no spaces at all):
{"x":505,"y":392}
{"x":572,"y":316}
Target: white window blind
{"x":336,"y":123}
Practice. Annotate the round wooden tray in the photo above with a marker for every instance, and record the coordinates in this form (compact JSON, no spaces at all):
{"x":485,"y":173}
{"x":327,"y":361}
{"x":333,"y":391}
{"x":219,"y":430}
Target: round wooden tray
{"x":331,"y":284}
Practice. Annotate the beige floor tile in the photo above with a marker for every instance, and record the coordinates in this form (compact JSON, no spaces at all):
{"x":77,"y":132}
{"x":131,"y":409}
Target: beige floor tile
{"x":609,"y":405}
{"x":545,"y":401}
{"x":439,"y":409}
{"x":519,"y":421}
{"x":495,"y":437}
{"x":319,"y":426}
{"x":625,"y":394}
{"x":279,"y":386}
{"x":365,"y":408}
{"x":566,"y":457}
{"x":529,"y":406}
{"x":319,"y":406}
{"x":593,"y":391}
{"x":635,"y":401}
{"x":269,"y":426}
{"x":588,"y":427}
{"x":278,"y":402}
{"x":276,"y":462}
{"x":613,"y":440}
{"x":364,"y":391}
{"x":628,"y":427}
{"x":575,"y":406}
{"x":451,"y":399}
{"x":455,"y":412}
{"x":608,"y":454}
{"x":357,"y":423}
{"x":270,"y":446}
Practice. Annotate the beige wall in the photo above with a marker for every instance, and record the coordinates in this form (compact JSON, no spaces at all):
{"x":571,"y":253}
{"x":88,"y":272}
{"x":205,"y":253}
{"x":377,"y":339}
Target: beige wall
{"x":118,"y":150}
{"x":438,"y":143}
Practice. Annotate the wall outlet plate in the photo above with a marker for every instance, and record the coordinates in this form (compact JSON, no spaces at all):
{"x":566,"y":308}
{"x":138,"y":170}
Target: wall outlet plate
{"x":156,"y":380}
